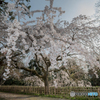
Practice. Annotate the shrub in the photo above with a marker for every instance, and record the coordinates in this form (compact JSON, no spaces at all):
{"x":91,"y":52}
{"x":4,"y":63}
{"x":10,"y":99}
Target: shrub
{"x":14,"y":81}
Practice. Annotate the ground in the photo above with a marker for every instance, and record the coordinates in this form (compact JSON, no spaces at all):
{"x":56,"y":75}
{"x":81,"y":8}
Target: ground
{"x":10,"y":96}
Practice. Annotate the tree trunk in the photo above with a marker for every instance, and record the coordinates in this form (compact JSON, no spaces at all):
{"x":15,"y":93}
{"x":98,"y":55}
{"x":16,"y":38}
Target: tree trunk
{"x":46,"y":85}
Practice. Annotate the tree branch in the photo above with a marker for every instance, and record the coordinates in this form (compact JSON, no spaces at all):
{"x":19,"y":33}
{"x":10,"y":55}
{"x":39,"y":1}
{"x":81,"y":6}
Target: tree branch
{"x":27,"y":69}
{"x":56,"y":70}
{"x":39,"y":64}
{"x":2,"y":44}
{"x":63,"y":41}
{"x":44,"y":59}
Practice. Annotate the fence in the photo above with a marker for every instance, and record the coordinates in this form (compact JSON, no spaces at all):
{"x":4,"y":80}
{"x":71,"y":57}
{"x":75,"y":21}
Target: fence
{"x":61,"y":91}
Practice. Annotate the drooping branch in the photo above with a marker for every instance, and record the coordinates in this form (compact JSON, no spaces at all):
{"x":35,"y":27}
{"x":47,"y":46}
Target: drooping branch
{"x":63,"y":41}
{"x":30,"y":38}
{"x":26,"y":69}
{"x":15,"y":55}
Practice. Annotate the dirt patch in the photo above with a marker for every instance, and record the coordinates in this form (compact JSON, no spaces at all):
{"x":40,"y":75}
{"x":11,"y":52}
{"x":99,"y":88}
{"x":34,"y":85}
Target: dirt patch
{"x":10,"y":96}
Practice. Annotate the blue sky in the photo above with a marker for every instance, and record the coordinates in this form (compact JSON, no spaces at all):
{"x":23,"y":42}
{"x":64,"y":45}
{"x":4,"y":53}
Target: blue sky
{"x":72,"y":8}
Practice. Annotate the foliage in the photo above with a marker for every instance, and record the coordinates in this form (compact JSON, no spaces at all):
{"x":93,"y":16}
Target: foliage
{"x":75,"y":71}
{"x":3,"y":67}
{"x":33,"y":65}
{"x":92,"y":77}
{"x":14,"y":81}
{"x":2,"y":98}
{"x":1,"y":74}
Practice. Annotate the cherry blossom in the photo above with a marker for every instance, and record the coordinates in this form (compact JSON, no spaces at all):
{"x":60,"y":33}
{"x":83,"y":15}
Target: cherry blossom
{"x":50,"y":43}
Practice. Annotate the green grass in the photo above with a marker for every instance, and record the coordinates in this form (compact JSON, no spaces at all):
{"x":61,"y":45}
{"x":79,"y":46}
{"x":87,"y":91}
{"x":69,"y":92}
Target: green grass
{"x":85,"y":98}
{"x":2,"y":98}
{"x":55,"y":96}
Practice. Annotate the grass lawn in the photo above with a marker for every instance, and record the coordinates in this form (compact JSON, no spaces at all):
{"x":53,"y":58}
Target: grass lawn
{"x":2,"y":98}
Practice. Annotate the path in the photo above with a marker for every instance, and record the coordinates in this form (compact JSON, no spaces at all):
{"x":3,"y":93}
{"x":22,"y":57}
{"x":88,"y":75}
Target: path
{"x":10,"y":96}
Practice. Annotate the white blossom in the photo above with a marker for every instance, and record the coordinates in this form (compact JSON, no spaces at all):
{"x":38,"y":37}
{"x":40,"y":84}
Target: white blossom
{"x":4,"y":50}
{"x":7,"y":70}
{"x":8,"y":63}
{"x":23,"y":34}
{"x":14,"y":48}
{"x":50,"y":39}
{"x":23,"y":40}
{"x":26,"y":47}
{"x":4,"y":78}
{"x":23,"y":51}
{"x":4,"y":74}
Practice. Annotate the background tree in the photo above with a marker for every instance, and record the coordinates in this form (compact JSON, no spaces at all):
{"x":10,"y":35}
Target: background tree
{"x":93,"y":77}
{"x":15,"y":73}
{"x":3,"y":66}
{"x":33,"y":65}
{"x":75,"y":71}
{"x":14,"y":81}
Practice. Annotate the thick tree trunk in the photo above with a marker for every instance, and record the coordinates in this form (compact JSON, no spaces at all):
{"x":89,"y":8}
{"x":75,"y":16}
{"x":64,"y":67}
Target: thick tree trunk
{"x":46,"y":85}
